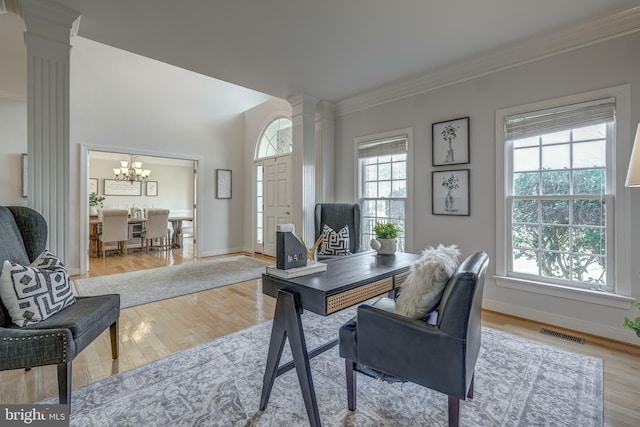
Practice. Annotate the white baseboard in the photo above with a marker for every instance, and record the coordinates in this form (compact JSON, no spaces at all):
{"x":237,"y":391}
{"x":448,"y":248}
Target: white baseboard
{"x":619,"y":334}
{"x":221,"y":252}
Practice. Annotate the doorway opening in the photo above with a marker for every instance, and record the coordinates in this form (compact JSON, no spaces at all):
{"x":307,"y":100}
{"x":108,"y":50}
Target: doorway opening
{"x":272,"y":172}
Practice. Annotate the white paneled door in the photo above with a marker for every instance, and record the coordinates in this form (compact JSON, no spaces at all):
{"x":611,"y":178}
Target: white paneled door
{"x":277,"y":199}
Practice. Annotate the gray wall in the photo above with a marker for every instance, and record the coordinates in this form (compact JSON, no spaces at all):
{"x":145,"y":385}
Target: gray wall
{"x":611,"y":63}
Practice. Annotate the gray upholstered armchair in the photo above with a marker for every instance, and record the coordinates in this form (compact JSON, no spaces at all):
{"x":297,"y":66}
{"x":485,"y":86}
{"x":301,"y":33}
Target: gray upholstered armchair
{"x":441,"y":357}
{"x":58,"y":339}
{"x":336,"y":216}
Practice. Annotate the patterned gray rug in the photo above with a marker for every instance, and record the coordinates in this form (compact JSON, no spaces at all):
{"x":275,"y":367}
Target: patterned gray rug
{"x":518,"y":383}
{"x":145,"y":286}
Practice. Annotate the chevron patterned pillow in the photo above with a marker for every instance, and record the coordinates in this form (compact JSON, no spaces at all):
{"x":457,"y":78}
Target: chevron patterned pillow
{"x":335,"y":242}
{"x":34,"y":293}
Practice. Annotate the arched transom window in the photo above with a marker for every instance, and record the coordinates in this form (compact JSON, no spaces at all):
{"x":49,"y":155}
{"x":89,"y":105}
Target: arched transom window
{"x":276,"y":139}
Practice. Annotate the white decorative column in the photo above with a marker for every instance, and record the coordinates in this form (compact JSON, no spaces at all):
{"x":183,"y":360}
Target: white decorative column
{"x":49,"y":28}
{"x":325,"y":162}
{"x":303,"y":187}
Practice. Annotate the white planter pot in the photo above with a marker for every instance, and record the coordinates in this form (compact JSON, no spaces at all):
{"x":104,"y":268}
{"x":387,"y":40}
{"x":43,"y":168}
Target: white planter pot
{"x":93,"y":211}
{"x":384,"y":246}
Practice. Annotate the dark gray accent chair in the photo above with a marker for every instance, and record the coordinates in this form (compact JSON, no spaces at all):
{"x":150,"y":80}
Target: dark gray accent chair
{"x":336,"y":216}
{"x":441,"y":357}
{"x":58,"y":339}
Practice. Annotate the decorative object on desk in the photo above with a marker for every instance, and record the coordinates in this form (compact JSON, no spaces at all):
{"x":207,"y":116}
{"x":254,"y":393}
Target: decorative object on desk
{"x":450,"y":142}
{"x":131,"y":171}
{"x":291,"y":273}
{"x":421,"y":291}
{"x":516,"y":383}
{"x":95,"y":202}
{"x":122,"y":188}
{"x":450,"y":192}
{"x":152,"y":188}
{"x":386,"y":241}
{"x":312,"y":253}
{"x":290,"y":252}
{"x":223,"y":184}
{"x":93,"y":185}
{"x":25,"y":164}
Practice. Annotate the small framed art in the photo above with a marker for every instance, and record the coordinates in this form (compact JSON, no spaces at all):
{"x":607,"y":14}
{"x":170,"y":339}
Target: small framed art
{"x":152,"y":188}
{"x":450,"y":192}
{"x":450,"y":142}
{"x":223,"y":183}
{"x":93,"y":185}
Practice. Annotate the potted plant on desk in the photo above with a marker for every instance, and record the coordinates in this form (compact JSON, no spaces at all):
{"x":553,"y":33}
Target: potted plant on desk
{"x":95,"y":202}
{"x":386,"y":241}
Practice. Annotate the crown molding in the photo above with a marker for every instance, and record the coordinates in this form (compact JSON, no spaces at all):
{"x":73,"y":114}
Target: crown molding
{"x":612,"y":26}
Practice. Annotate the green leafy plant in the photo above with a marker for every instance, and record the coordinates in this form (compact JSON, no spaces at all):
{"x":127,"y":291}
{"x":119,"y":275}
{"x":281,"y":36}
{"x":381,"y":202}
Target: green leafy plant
{"x":635,"y":324}
{"x":95,"y":200}
{"x":386,"y":230}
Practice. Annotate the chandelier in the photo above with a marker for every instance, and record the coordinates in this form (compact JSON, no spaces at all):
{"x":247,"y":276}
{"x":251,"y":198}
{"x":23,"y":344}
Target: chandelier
{"x":131,"y":171}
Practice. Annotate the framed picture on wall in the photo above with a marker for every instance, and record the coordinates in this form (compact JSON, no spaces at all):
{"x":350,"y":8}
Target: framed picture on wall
{"x":152,"y":188}
{"x":450,"y":142}
{"x":450,"y":192}
{"x":93,"y":185}
{"x":114,"y":187}
{"x":223,"y":183}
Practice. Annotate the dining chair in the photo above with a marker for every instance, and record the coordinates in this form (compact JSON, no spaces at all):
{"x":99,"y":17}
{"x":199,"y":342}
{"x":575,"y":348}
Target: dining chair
{"x":115,"y":228}
{"x":157,"y":228}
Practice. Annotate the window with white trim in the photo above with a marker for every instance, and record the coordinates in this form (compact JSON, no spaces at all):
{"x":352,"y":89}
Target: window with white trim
{"x":382,"y":178}
{"x":559,"y":200}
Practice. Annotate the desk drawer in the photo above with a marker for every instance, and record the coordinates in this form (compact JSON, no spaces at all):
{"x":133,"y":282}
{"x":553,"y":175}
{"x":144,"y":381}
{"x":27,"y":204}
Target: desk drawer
{"x":357,"y":295}
{"x":400,"y":278}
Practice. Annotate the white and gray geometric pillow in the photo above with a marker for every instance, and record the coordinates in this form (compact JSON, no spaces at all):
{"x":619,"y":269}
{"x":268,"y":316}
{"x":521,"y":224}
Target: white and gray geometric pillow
{"x":335,"y":242}
{"x":32,"y":294}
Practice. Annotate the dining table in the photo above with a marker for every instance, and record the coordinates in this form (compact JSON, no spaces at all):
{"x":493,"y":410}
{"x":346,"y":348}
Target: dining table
{"x":176,"y":240}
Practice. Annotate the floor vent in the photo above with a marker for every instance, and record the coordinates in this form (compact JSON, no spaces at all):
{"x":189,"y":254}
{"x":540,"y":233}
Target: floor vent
{"x":560,"y":335}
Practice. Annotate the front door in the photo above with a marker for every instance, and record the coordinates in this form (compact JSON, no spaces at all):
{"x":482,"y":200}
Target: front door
{"x":277,"y":199}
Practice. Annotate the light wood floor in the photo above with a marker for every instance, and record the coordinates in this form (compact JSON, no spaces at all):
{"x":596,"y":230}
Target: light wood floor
{"x":152,"y":331}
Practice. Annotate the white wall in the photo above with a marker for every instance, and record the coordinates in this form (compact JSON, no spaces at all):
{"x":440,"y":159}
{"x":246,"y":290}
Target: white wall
{"x":13,"y":142}
{"x":607,"y":64}
{"x":122,"y":102}
{"x":255,"y":122}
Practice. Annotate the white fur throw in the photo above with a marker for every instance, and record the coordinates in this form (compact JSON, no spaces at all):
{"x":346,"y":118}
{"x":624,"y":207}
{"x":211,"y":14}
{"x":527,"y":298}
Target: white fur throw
{"x":423,"y":288}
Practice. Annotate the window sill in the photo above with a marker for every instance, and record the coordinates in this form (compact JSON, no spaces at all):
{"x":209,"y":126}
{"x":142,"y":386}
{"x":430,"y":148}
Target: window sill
{"x":584,"y":295}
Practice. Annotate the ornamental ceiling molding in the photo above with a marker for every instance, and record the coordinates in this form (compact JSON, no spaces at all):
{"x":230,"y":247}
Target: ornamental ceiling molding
{"x":599,"y":30}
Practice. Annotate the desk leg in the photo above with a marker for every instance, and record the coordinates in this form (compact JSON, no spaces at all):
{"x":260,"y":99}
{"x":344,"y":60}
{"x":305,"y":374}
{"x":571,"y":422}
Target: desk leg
{"x":287,"y":324}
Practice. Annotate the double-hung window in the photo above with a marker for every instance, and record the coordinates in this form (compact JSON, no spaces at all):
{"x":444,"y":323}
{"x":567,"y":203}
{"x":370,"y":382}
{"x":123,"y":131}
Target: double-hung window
{"x":559,"y":202}
{"x":382,"y":170}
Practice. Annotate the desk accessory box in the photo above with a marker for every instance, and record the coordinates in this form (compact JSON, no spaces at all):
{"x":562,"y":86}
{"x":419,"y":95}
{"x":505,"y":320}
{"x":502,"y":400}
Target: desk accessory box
{"x":290,"y":252}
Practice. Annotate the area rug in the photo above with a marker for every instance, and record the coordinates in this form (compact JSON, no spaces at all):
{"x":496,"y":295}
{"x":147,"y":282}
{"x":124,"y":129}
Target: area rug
{"x":145,"y":286}
{"x":518,"y":382}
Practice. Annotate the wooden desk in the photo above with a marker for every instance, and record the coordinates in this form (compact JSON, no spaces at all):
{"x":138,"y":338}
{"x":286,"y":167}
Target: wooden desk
{"x":347,"y":281}
{"x":176,"y":237}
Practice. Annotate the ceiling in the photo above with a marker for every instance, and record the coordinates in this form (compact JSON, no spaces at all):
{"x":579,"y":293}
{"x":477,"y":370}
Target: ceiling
{"x":330,"y":49}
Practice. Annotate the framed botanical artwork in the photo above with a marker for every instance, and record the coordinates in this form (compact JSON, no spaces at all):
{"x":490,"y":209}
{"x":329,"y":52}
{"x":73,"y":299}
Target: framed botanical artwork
{"x":223,"y":183}
{"x":450,"y":192}
{"x":152,"y":188}
{"x":450,"y":142}
{"x":93,"y":185}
